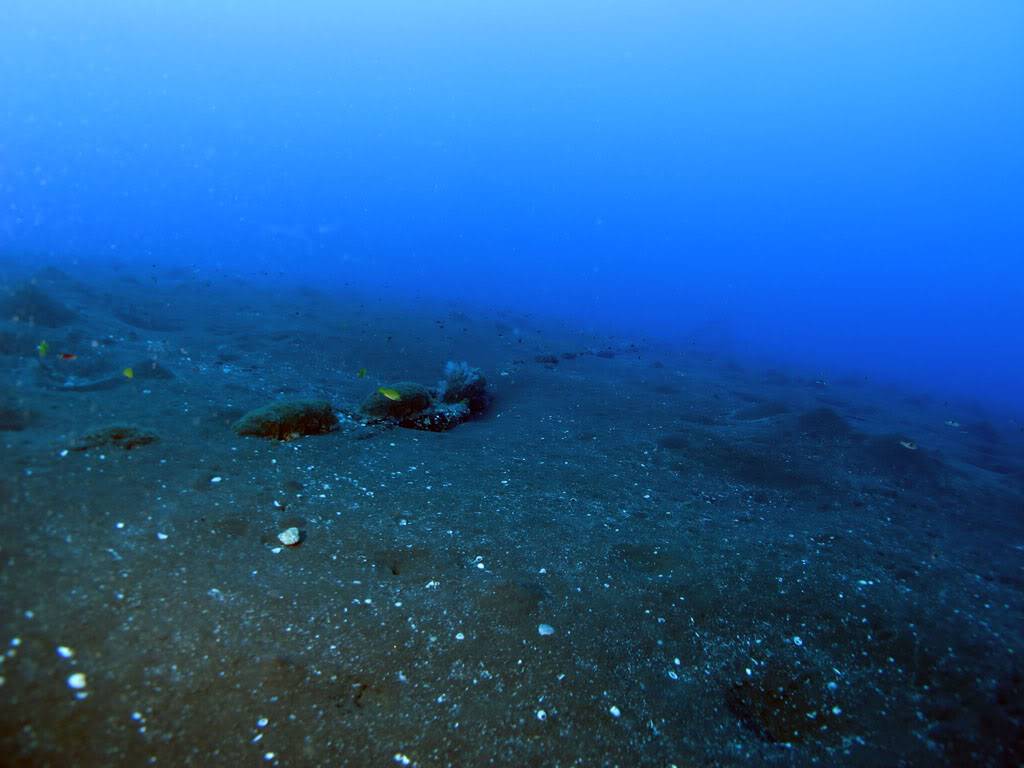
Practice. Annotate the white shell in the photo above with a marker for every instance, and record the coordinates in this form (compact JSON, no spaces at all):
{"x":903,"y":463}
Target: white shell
{"x":289,"y":537}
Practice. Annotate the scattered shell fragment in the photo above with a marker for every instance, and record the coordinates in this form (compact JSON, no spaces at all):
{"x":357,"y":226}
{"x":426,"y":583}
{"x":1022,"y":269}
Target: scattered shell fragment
{"x":289,"y":536}
{"x":910,"y":445}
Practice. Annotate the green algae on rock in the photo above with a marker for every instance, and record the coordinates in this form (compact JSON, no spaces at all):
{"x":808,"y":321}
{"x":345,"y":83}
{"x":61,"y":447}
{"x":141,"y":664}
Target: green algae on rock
{"x":412,"y":398}
{"x":288,"y":419}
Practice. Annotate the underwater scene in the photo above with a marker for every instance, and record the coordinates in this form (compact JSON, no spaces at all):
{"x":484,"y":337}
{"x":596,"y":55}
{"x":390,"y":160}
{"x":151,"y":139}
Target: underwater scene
{"x":533,"y":384}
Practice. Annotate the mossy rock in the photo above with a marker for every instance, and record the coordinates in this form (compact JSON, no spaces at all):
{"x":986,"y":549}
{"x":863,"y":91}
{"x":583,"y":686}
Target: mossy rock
{"x":122,"y":436}
{"x":440,"y":417}
{"x":413,"y":398}
{"x":288,"y":419}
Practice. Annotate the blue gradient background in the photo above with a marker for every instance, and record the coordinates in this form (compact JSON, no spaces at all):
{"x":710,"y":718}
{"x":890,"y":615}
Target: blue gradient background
{"x":837,"y":186}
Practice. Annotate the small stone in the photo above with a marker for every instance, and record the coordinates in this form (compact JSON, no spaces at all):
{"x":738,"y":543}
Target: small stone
{"x":545,"y":629}
{"x":77,"y":681}
{"x":615,"y":711}
{"x":64,"y":652}
{"x":290,"y":537}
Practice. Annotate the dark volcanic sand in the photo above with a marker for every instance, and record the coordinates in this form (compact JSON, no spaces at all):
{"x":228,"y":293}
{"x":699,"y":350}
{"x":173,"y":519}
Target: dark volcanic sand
{"x":733,"y":575}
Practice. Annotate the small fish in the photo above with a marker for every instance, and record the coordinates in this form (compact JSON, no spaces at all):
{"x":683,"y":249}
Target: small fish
{"x":43,"y":347}
{"x":390,"y":393}
{"x":361,"y":373}
{"x":128,"y":373}
{"x":68,"y":356}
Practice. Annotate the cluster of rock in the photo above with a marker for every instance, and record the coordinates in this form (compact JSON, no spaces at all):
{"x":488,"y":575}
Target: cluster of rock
{"x":461,"y":395}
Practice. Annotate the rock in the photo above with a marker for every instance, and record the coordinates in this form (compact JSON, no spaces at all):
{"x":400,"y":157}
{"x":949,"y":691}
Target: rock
{"x":412,"y":399}
{"x":289,"y":419}
{"x":461,"y":395}
{"x":463,"y":383}
{"x":122,"y":436}
{"x":290,"y":537}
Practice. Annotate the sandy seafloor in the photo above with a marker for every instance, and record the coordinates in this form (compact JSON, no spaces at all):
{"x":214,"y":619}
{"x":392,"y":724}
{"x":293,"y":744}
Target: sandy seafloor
{"x":741,"y":567}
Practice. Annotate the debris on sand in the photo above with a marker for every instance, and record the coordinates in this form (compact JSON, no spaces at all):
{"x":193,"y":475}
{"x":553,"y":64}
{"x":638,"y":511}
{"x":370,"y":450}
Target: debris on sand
{"x":122,"y":436}
{"x":288,"y":420}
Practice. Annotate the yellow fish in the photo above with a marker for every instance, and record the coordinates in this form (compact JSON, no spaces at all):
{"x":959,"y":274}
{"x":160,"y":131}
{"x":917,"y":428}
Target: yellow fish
{"x":43,"y":348}
{"x":361,"y":373}
{"x":390,"y":393}
{"x":128,"y":373}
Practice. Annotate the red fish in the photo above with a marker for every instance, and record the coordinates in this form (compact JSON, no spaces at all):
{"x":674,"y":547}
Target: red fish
{"x":68,"y":356}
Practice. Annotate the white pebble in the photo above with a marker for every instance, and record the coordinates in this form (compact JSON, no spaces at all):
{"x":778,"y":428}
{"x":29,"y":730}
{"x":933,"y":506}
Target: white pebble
{"x":262,"y":722}
{"x":542,"y":715}
{"x":289,"y":536}
{"x":797,"y":640}
{"x":399,"y":757}
{"x":837,"y":710}
{"x":615,"y":711}
{"x":162,"y":536}
{"x":64,"y":652}
{"x":545,"y":629}
{"x":216,"y":479}
{"x":77,"y":681}
{"x":459,"y":636}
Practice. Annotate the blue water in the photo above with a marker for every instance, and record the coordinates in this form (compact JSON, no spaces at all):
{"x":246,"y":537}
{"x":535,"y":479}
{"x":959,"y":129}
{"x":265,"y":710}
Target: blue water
{"x":837,"y":186}
{"x":726,"y":461}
